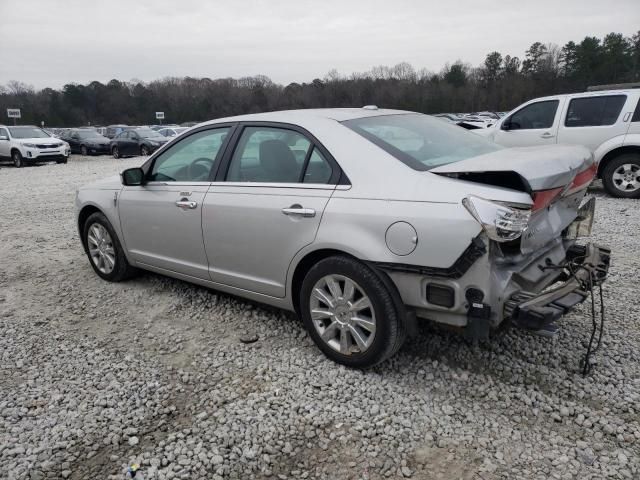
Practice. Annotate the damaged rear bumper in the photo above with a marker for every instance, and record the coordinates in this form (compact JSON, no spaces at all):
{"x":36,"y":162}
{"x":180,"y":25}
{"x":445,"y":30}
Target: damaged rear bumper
{"x":586,"y":266}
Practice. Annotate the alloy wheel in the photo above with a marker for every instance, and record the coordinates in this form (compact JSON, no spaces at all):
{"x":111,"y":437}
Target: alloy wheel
{"x":83,"y":150}
{"x":17,"y":159}
{"x":144,"y":150}
{"x":342,"y":314}
{"x":627,"y":177}
{"x":101,"y":248}
{"x":115,"y":152}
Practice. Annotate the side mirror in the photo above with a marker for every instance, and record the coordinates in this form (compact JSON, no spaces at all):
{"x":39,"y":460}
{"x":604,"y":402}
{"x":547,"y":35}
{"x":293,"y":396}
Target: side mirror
{"x":132,"y":176}
{"x":4,"y":137}
{"x":506,"y":125}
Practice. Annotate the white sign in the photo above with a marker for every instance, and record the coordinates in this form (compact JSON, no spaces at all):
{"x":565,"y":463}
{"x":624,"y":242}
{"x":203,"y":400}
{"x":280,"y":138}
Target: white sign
{"x":13,"y":113}
{"x":160,"y":115}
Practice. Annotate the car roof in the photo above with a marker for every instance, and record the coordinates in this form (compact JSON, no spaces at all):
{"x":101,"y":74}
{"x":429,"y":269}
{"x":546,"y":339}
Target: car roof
{"x":310,"y":115}
{"x":596,"y":93}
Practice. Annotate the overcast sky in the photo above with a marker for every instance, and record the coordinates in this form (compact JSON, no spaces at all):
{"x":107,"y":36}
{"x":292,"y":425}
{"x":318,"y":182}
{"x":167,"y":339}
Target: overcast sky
{"x":50,"y":43}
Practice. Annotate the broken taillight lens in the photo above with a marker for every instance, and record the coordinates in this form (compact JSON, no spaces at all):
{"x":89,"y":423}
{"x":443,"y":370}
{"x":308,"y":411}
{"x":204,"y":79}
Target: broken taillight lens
{"x":500,"y":222}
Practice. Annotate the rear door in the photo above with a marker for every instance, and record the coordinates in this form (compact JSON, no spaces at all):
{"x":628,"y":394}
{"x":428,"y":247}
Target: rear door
{"x":5,"y":145}
{"x":162,"y":219}
{"x":535,"y":123}
{"x":591,"y":120}
{"x":265,"y":206}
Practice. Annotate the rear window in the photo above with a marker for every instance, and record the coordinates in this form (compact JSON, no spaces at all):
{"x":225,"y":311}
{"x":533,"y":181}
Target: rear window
{"x":420,"y":141}
{"x":594,"y":111}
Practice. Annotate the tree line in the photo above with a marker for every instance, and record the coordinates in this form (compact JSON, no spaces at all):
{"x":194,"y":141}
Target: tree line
{"x":500,"y":83}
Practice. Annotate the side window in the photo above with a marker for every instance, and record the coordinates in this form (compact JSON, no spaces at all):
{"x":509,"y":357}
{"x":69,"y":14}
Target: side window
{"x":191,"y":159}
{"x":594,"y":111}
{"x":267,"y":154}
{"x":535,"y":115}
{"x":636,"y":113}
{"x":318,"y":169}
{"x":4,"y":132}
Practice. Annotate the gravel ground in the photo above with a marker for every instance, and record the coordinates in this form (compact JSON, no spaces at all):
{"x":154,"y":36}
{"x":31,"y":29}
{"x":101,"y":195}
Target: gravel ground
{"x":95,"y":376}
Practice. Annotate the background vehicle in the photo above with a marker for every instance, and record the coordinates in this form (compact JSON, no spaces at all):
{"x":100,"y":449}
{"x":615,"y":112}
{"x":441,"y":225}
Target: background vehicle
{"x":277,"y":207}
{"x":172,"y":131}
{"x":30,"y":144}
{"x":113,"y":130}
{"x":606,"y":122}
{"x":86,"y":141}
{"x":136,"y":141}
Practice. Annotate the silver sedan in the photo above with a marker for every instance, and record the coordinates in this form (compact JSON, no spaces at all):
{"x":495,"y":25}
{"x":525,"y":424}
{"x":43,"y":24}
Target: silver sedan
{"x":359,"y":220}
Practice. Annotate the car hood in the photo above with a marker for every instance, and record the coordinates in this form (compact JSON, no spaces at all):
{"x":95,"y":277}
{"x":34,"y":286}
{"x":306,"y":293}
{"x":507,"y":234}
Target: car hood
{"x":40,"y":140}
{"x":541,"y":168}
{"x":108,"y":183}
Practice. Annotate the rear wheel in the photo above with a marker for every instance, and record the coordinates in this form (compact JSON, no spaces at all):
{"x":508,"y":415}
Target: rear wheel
{"x":18,"y":161}
{"x":104,"y":250}
{"x":621,"y":176}
{"x":350,"y":313}
{"x":115,"y":152}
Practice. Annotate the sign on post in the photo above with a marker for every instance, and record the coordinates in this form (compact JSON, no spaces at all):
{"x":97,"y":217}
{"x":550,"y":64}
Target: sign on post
{"x":13,"y":113}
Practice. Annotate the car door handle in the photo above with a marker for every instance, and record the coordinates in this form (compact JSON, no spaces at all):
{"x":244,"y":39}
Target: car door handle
{"x":298,"y":210}
{"x":186,"y":204}
{"x":547,"y":135}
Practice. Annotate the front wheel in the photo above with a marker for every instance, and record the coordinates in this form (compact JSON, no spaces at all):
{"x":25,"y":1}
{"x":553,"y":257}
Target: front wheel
{"x":350,"y":312}
{"x":18,"y":161}
{"x":115,"y":152}
{"x":104,"y":250}
{"x":61,"y":161}
{"x":144,"y":150}
{"x":621,"y":176}
{"x":83,"y":151}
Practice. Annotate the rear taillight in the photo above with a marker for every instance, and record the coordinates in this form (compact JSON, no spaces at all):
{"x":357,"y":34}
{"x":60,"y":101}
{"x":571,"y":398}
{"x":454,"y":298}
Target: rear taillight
{"x":500,"y":222}
{"x":543,"y":198}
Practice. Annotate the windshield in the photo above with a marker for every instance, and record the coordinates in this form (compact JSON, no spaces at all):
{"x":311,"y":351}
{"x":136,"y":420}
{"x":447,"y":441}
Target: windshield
{"x":28,"y":132}
{"x":421,"y":141}
{"x":90,"y":134}
{"x":148,"y":133}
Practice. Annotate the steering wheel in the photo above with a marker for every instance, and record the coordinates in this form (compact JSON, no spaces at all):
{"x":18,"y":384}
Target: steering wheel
{"x":200,"y":169}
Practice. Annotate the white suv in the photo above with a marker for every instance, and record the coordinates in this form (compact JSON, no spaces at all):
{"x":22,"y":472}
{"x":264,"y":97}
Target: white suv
{"x":27,"y":144}
{"x":607,"y":122}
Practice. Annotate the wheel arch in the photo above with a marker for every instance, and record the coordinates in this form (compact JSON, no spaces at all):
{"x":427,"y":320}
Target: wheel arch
{"x":616,"y":152}
{"x":313,"y":257}
{"x":84,"y":213}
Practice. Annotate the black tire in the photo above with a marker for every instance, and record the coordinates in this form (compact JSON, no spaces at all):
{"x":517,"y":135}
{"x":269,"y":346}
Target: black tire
{"x":121,"y":269}
{"x":18,"y":161}
{"x":59,"y":162}
{"x":610,"y":170}
{"x":115,"y":152}
{"x":83,"y":150}
{"x":144,"y":150}
{"x":390,"y":331}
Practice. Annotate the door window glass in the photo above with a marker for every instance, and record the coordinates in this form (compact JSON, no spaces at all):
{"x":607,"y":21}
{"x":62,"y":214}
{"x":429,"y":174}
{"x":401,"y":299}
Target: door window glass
{"x":318,"y":169}
{"x":4,"y":132}
{"x":266,"y":154}
{"x":536,"y":115}
{"x":191,"y":159}
{"x":594,"y":111}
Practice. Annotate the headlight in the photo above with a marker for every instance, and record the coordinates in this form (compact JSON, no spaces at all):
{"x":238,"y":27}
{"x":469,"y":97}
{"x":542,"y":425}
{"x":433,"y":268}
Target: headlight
{"x":501,"y":223}
{"x":30,"y":145}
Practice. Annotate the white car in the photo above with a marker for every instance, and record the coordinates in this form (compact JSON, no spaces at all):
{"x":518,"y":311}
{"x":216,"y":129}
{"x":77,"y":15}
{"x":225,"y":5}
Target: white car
{"x":606,"y":122}
{"x":27,"y":144}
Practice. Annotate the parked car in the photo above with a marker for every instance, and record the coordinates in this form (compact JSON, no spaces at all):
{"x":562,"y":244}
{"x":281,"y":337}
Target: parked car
{"x":87,"y":141}
{"x":606,"y":122}
{"x":172,"y":131}
{"x":28,"y":144}
{"x":356,"y":219}
{"x":136,"y":141}
{"x":113,"y":130}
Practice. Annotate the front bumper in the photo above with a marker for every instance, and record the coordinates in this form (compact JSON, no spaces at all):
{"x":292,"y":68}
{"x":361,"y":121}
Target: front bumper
{"x":36,"y":155}
{"x":586,"y":266}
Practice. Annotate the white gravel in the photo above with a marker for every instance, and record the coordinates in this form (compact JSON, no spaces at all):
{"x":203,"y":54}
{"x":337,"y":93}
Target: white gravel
{"x":96,"y":376}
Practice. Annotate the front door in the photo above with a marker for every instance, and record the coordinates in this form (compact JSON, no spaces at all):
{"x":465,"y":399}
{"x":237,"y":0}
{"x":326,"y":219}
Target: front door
{"x":534,"y":124}
{"x":268,"y":207}
{"x":162,"y":219}
{"x":5,"y":145}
